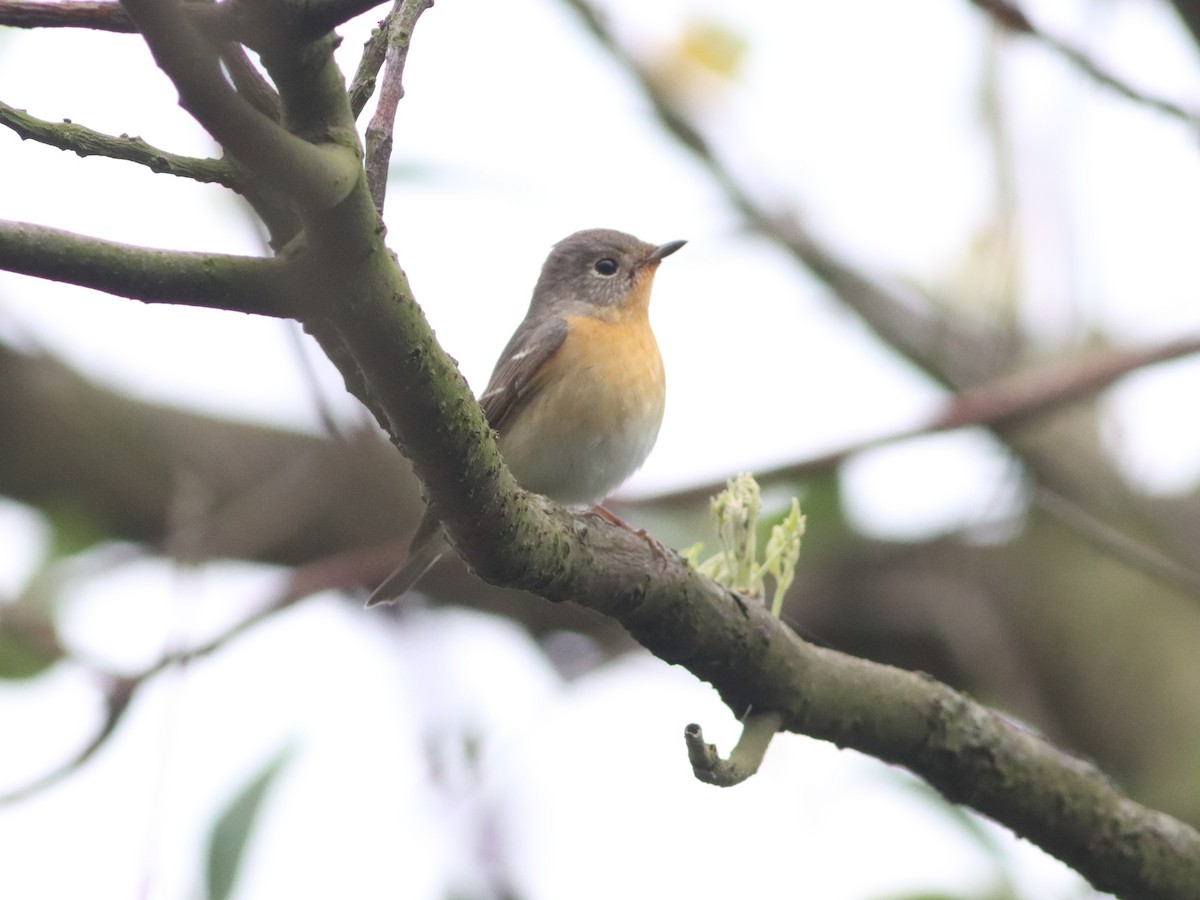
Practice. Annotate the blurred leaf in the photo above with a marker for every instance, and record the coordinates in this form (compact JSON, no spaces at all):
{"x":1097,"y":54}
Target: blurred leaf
{"x":28,"y":642}
{"x":821,"y":499}
{"x":700,"y":65}
{"x":232,"y":829}
{"x":74,"y":529}
{"x":713,"y":47}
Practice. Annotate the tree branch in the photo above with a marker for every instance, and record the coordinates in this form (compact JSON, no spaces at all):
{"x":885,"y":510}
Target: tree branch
{"x":320,"y":16}
{"x":1004,"y":403}
{"x":313,"y":17}
{"x":952,"y":353}
{"x":375,"y":49}
{"x":237,"y":283}
{"x":83,"y":141}
{"x":119,"y":691}
{"x":399,"y":29}
{"x":97,"y":15}
{"x":744,"y":760}
{"x":1010,"y":16}
{"x":316,"y":176}
{"x":392,"y":359}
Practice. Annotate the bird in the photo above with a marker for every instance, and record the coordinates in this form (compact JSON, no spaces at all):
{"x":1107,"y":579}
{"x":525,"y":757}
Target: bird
{"x":577,"y":396}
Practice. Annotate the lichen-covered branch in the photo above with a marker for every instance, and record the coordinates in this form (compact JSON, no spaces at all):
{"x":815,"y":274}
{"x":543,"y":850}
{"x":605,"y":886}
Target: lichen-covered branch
{"x":314,"y":175}
{"x":237,"y":283}
{"x":84,"y":141}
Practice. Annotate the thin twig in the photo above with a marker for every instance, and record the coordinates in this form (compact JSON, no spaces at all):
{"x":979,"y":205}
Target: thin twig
{"x":362,"y":85}
{"x":116,"y":701}
{"x":1004,"y":403}
{"x":336,"y":572}
{"x":1134,"y":553}
{"x":1011,"y":17}
{"x":745,"y":758}
{"x":312,"y":382}
{"x":84,"y":141}
{"x":250,"y":82}
{"x":379,"y":131}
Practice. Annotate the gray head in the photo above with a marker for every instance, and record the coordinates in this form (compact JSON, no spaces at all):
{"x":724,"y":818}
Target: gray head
{"x":600,"y":268}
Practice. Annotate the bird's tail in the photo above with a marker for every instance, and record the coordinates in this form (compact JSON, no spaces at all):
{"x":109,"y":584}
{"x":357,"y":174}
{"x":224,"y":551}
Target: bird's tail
{"x":426,"y":550}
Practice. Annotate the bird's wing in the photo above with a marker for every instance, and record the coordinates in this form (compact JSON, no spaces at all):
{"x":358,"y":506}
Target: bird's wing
{"x":515,"y":377}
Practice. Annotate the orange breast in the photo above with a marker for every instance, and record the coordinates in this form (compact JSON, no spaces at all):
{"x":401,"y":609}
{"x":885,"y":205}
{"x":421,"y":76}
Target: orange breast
{"x":596,"y":412}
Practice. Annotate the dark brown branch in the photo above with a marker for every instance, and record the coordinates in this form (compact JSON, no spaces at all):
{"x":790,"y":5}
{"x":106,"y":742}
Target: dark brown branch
{"x":237,"y":283}
{"x":1002,"y":404}
{"x":97,"y":16}
{"x":85,"y":142}
{"x":379,"y":132}
{"x":1011,"y":17}
{"x":315,"y":17}
{"x":100,"y":16}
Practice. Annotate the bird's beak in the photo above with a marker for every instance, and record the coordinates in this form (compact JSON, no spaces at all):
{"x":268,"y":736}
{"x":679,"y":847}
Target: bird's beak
{"x":664,"y":250}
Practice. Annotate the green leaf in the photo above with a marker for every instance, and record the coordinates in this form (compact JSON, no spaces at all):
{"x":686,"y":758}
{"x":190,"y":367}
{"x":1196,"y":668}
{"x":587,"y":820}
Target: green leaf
{"x":74,"y":528}
{"x":232,"y":830}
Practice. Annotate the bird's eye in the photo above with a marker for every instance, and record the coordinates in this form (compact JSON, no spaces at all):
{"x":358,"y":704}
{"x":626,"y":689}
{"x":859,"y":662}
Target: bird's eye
{"x":606,"y":267}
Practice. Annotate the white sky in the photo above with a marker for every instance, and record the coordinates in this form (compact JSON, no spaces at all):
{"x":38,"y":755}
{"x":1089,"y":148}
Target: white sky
{"x":864,"y":115}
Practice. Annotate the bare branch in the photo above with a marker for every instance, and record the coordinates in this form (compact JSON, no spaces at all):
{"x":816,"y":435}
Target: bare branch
{"x":336,"y":572}
{"x":1010,"y":16}
{"x":97,"y":15}
{"x":250,"y":82}
{"x":379,"y":132}
{"x":314,"y":17}
{"x":1004,"y":403}
{"x":84,"y":141}
{"x":1117,"y":544}
{"x":238,"y":283}
{"x":744,"y":760}
{"x":362,"y":85}
{"x":116,"y":701}
{"x":316,"y":176}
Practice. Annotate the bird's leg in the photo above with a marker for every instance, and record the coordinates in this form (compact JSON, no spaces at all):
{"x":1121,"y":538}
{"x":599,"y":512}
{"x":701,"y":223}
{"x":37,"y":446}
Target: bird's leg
{"x":613,"y":519}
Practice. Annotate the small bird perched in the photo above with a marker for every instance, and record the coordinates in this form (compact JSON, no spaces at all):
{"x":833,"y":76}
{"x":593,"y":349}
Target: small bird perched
{"x":577,"y":396}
